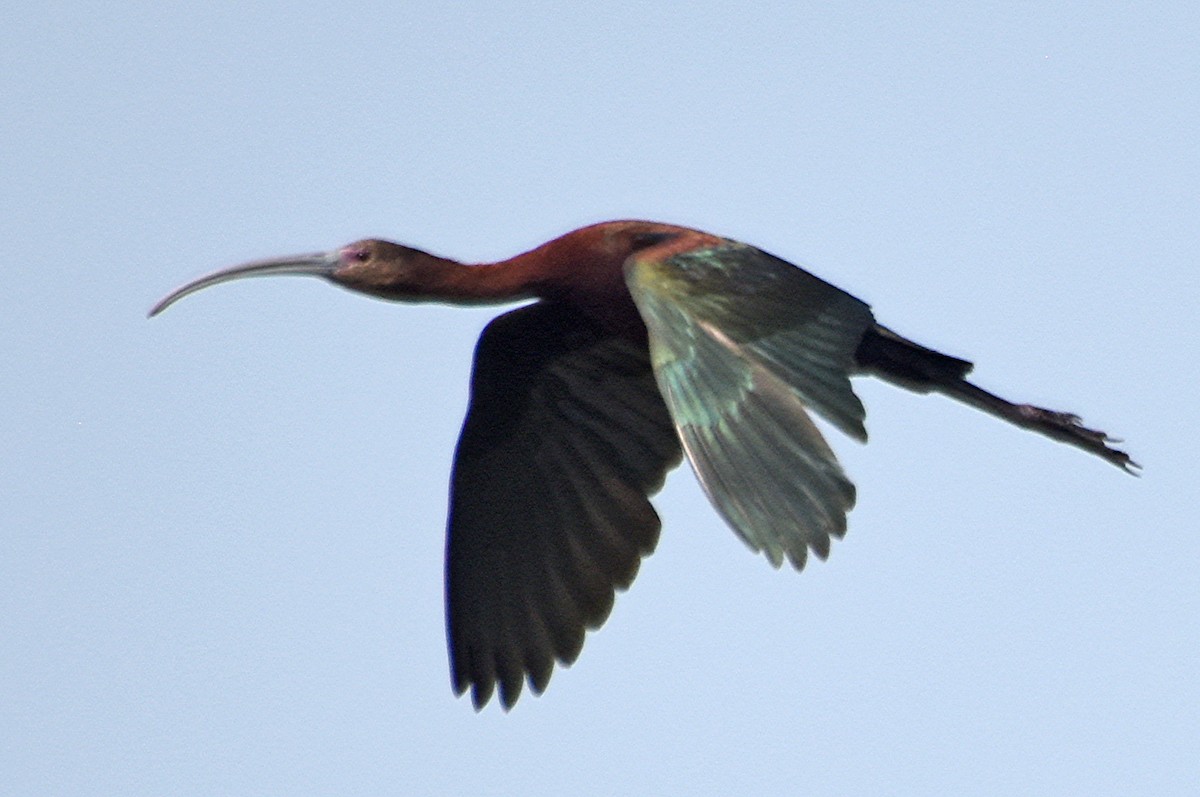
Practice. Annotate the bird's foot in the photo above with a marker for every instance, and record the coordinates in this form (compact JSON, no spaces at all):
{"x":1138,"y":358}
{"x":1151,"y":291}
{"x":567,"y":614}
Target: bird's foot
{"x":1068,"y":427}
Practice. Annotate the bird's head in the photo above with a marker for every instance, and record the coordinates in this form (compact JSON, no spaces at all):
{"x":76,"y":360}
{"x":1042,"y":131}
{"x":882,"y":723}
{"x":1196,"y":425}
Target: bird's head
{"x":372,"y":266}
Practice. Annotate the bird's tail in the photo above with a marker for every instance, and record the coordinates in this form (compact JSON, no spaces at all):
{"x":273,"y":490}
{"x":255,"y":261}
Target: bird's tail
{"x":885,"y":354}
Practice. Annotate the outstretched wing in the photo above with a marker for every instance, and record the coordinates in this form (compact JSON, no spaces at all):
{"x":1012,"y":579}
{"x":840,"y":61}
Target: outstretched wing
{"x":742,"y":345}
{"x":565,"y":437}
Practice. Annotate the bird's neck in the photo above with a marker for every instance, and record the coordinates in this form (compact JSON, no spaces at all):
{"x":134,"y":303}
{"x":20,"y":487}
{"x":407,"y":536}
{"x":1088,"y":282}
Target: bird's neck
{"x":579,"y":270}
{"x":571,"y":269}
{"x":535,"y":273}
{"x":445,"y":280}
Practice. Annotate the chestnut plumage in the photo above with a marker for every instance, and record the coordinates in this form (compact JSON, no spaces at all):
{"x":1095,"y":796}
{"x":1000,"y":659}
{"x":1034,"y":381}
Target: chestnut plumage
{"x":647,"y":343}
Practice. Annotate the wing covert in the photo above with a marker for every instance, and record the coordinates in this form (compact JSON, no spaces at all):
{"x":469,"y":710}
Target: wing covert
{"x":743,"y":344}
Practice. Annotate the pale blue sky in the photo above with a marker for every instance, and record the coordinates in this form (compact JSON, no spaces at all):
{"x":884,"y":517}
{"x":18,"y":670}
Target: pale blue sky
{"x":221,"y":543}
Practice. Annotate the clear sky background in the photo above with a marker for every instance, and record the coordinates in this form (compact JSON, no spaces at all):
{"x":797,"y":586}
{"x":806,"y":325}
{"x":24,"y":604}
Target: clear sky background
{"x":221,"y":531}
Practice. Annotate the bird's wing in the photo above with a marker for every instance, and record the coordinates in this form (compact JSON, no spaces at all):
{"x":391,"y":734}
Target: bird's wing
{"x":565,"y":437}
{"x":743,"y":344}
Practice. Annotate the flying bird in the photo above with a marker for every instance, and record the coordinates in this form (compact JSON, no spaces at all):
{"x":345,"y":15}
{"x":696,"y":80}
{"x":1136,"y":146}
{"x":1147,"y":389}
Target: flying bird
{"x":647,"y":343}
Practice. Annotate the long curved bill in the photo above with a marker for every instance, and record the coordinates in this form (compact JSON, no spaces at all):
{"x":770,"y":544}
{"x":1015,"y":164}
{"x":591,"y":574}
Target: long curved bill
{"x":320,"y":264}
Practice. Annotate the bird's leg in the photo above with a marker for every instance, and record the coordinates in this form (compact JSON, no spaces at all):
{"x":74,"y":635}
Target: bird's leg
{"x":1065,"y":427}
{"x":910,"y":365}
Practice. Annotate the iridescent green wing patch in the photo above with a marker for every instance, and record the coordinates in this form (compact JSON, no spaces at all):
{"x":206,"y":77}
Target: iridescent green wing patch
{"x":743,"y":344}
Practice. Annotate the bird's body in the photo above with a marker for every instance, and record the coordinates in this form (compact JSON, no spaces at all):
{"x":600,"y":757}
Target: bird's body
{"x":649,"y":342}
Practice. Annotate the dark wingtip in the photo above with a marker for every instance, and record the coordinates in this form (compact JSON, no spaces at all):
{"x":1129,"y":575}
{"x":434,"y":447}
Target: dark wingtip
{"x":481,"y":694}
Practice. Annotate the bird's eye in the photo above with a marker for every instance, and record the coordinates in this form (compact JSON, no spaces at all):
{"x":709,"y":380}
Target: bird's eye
{"x":644,"y":240}
{"x":360,"y":255}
